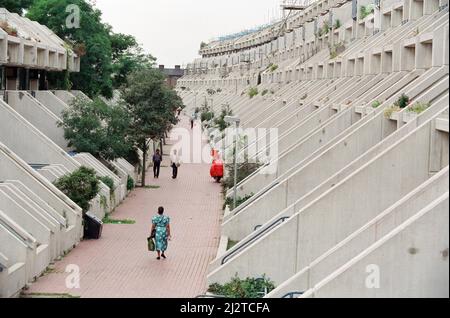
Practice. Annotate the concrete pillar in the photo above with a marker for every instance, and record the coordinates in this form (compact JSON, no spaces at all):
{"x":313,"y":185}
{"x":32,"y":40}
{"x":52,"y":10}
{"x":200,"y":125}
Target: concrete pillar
{"x":396,"y":17}
{"x":440,"y":47}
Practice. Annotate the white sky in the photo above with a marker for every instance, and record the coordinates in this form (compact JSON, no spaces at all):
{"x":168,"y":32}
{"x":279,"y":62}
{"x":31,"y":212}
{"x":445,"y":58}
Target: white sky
{"x":172,"y":30}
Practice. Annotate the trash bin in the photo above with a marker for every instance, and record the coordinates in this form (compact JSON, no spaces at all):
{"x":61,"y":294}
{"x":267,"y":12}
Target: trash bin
{"x":93,"y":227}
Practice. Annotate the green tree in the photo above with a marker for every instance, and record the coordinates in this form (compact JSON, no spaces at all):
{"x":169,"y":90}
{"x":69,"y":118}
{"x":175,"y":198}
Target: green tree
{"x":97,"y":128}
{"x":151,"y":105}
{"x":127,"y":56}
{"x":92,"y":37}
{"x":81,"y":186}
{"x":16,"y":6}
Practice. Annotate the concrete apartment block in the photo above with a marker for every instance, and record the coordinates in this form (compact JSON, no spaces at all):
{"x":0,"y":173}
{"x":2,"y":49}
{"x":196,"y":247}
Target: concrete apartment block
{"x":348,"y":163}
{"x":34,"y":46}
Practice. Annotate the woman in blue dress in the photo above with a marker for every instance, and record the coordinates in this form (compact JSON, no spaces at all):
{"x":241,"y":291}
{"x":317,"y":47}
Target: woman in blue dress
{"x":161,"y":230}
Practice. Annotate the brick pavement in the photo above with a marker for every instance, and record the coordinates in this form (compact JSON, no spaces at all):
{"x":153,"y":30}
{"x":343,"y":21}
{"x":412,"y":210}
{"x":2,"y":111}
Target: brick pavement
{"x":119,"y":265}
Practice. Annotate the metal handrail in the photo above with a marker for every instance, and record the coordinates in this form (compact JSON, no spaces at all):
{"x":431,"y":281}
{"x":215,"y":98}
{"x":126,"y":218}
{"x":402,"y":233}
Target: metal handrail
{"x":254,"y":238}
{"x":292,"y":295}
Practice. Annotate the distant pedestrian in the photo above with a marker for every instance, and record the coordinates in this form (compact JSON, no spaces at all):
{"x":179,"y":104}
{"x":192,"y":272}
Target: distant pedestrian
{"x":161,"y":232}
{"x":179,"y":109}
{"x":157,"y":159}
{"x":175,"y":163}
{"x":193,"y":118}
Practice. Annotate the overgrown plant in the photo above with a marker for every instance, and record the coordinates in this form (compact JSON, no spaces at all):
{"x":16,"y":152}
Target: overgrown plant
{"x":130,"y":183}
{"x":337,"y":24}
{"x":229,"y":201}
{"x":376,"y":104}
{"x":109,"y":182}
{"x":243,"y":288}
{"x":402,"y":101}
{"x":273,"y":67}
{"x":81,"y":186}
{"x":365,"y":11}
{"x":336,"y":49}
{"x":219,"y":122}
{"x":389,"y":111}
{"x":252,"y":92}
{"x":418,"y":107}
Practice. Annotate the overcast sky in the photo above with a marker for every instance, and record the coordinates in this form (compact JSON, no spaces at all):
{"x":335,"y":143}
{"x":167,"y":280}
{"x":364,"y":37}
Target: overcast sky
{"x":172,"y":30}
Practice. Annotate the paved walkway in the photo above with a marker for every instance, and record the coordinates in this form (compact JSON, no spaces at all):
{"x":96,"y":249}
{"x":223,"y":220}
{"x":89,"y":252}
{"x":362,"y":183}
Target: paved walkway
{"x":119,"y":265}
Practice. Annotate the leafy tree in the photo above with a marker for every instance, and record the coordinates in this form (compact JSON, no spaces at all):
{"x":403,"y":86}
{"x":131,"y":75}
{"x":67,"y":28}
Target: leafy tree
{"x":151,"y":105}
{"x":16,"y":6}
{"x":97,"y":128}
{"x":92,"y":39}
{"x":127,"y":56}
{"x":81,"y":186}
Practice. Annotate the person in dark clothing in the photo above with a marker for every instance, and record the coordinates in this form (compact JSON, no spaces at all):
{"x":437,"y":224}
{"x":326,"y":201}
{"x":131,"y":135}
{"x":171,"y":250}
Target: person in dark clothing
{"x":157,"y":159}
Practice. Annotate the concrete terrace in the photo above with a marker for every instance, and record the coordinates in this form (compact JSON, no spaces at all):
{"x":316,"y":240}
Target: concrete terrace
{"x":119,"y":265}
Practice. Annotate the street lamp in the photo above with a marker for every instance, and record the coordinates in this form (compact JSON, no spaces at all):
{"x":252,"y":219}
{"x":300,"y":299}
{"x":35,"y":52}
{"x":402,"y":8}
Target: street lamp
{"x":236,"y":121}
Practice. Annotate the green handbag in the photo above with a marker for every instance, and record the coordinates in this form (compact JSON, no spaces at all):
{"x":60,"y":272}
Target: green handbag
{"x":151,"y":244}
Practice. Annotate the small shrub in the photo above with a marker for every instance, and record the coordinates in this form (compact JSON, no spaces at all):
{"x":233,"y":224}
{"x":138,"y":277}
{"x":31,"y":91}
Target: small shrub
{"x":239,"y":201}
{"x":219,"y":122}
{"x":376,"y":104}
{"x":402,"y":102}
{"x":253,"y":92}
{"x":130,"y":183}
{"x":264,"y":92}
{"x":336,"y":49}
{"x":243,"y":288}
{"x":365,"y":11}
{"x":210,"y":91}
{"x":337,"y":24}
{"x":272,"y":67}
{"x":325,"y":28}
{"x":81,"y":186}
{"x":207,"y":116}
{"x":108,"y":182}
{"x":418,"y":107}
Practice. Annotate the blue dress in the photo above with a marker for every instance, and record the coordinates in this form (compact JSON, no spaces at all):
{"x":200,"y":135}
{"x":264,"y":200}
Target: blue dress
{"x":161,"y":234}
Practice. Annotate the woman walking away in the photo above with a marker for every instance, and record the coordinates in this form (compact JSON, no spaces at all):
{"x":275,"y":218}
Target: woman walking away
{"x":157,"y":159}
{"x":161,"y":230}
{"x":175,"y":163}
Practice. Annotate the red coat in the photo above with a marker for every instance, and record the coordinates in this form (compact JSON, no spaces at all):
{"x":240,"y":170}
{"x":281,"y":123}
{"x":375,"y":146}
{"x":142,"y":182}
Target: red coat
{"x":217,"y":168}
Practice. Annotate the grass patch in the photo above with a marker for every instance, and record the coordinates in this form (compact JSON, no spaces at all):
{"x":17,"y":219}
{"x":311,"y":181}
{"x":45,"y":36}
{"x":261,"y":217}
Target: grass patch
{"x":151,"y":187}
{"x":108,"y":220}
